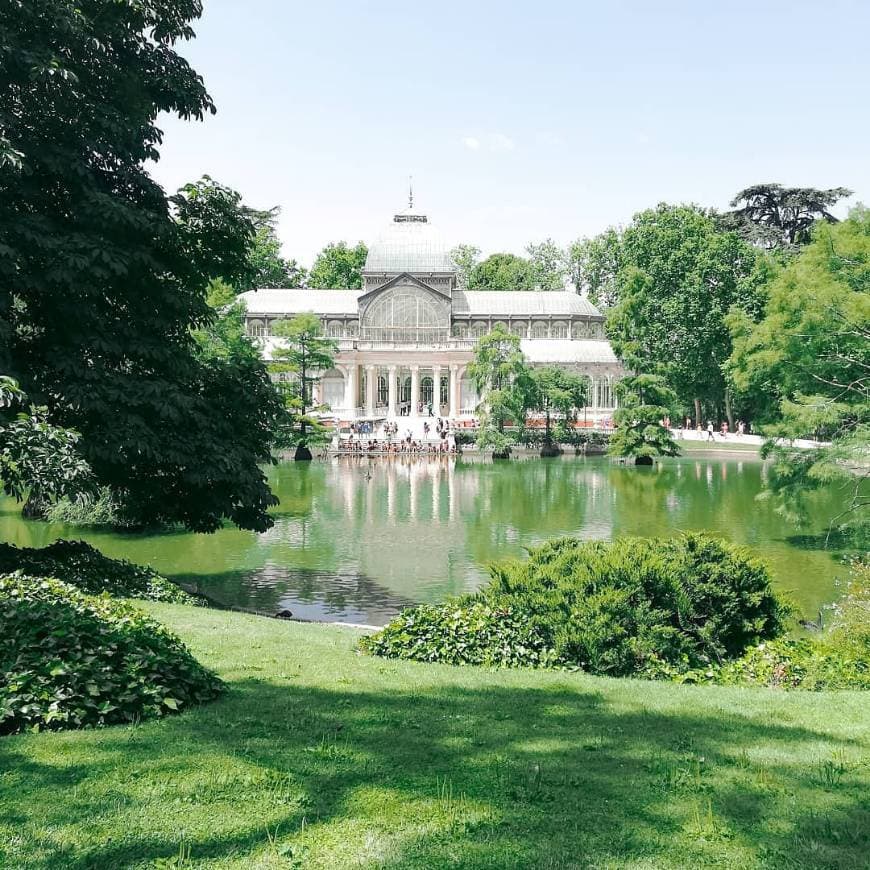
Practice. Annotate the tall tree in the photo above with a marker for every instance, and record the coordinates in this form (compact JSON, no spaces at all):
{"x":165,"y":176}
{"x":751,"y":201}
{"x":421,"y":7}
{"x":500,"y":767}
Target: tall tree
{"x":269,"y":268}
{"x":773,"y":216}
{"x":465,"y":257}
{"x":812,"y":351}
{"x":503,"y":382}
{"x":594,"y":266}
{"x":103,"y":278}
{"x":299,"y":363}
{"x":555,"y":391}
{"x":549,"y":265}
{"x":644,"y":402}
{"x":339,"y":267}
{"x":679,"y":279}
{"x":502,"y":272}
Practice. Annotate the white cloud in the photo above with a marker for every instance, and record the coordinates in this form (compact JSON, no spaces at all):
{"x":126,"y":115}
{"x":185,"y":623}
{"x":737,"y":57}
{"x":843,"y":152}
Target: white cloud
{"x":471,"y":142}
{"x":499,"y":142}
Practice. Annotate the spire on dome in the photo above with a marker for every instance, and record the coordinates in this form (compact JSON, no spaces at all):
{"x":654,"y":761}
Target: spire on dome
{"x":410,"y":192}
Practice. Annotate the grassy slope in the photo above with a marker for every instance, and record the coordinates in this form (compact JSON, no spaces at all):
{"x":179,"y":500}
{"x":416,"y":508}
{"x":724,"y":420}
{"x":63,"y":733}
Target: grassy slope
{"x":347,"y":761}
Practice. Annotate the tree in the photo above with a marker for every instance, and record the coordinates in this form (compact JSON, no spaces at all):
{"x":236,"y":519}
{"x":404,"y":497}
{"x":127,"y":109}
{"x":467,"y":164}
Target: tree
{"x":811,"y":349}
{"x":339,"y":267}
{"x":465,"y":257}
{"x":269,"y":268}
{"x":502,"y":272}
{"x":555,"y":391}
{"x":503,"y":382}
{"x":644,"y":402}
{"x":103,"y":278}
{"x":773,"y":216}
{"x":594,"y":266}
{"x":679,"y":279}
{"x":549,"y":265}
{"x":38,"y":461}
{"x":299,"y":364}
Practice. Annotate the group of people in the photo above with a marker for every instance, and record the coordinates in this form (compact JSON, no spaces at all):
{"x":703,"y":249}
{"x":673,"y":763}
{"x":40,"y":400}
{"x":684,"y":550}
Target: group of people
{"x":359,"y":447}
{"x":740,"y":429}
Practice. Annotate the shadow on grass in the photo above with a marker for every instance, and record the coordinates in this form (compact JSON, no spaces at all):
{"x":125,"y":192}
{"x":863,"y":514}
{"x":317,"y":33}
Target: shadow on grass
{"x":449,"y":776}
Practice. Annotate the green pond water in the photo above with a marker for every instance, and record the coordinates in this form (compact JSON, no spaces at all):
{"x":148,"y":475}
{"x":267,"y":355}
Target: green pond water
{"x":358,"y":539}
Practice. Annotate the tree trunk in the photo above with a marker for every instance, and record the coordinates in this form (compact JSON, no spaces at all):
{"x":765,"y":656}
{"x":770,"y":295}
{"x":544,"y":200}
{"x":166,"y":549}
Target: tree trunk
{"x":729,"y":413}
{"x":303,"y":454}
{"x":643,"y":460}
{"x":698,"y":421}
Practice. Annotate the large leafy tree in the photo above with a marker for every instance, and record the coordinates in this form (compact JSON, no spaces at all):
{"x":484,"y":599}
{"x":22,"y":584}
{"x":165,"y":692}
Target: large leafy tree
{"x":503,"y":380}
{"x":299,"y":362}
{"x":594,"y":265}
{"x":549,"y":265}
{"x":502,"y":272}
{"x":811,"y":353}
{"x":103,"y":278}
{"x":644,"y":402}
{"x":679,"y":278}
{"x":268,"y":267}
{"x":465,"y":258}
{"x":338,"y":266}
{"x":773,"y":216}
{"x":555,"y":392}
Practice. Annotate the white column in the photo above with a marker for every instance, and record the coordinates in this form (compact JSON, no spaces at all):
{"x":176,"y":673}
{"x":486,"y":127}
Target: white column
{"x":415,"y":389}
{"x":453,"y":392}
{"x":391,"y":391}
{"x":350,"y":388}
{"x":371,"y":383}
{"x":436,"y":390}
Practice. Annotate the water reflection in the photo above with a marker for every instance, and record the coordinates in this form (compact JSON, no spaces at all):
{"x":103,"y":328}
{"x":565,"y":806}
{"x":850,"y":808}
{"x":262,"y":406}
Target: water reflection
{"x":358,"y":539}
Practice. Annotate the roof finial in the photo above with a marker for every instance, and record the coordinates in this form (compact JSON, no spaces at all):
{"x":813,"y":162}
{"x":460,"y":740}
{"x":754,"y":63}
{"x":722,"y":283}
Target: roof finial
{"x":410,"y":191}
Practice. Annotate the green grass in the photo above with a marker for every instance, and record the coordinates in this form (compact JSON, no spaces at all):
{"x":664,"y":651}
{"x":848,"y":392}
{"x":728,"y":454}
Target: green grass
{"x":320,"y":757}
{"x":723,"y":446}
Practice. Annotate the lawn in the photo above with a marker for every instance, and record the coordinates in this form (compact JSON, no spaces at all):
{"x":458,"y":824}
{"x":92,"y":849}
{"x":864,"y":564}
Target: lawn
{"x":319,"y":757}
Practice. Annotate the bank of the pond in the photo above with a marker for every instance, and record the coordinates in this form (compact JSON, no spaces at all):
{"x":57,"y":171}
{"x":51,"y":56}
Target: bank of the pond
{"x":319,"y":757}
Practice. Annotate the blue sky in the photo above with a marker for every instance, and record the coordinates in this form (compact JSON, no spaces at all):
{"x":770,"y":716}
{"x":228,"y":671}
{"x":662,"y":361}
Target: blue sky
{"x":520,"y":121}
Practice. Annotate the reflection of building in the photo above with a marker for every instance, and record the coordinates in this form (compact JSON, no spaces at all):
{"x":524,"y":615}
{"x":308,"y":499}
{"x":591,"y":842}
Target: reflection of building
{"x":407,"y":337}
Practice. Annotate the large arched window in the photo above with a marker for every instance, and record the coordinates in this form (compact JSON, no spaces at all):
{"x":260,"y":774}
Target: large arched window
{"x":333,"y":329}
{"x":539,"y":329}
{"x":559,"y":329}
{"x":406,"y":315}
{"x":460,"y":330}
{"x":520,"y":328}
{"x":257,"y":328}
{"x":478,"y":329}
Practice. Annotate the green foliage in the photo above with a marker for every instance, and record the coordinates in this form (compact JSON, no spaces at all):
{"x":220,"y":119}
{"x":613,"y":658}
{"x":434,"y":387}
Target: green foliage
{"x":86,"y":568}
{"x":462,"y":633}
{"x":678,"y":279}
{"x":503,"y":272}
{"x":811,"y":353}
{"x":644,"y":401}
{"x":549,"y":265}
{"x":594,"y":266}
{"x":103,"y":277}
{"x":627,"y":607}
{"x":268,"y":267}
{"x":70,"y":660}
{"x":298,"y":364}
{"x":837,"y":658}
{"x":504,"y":383}
{"x":773,"y":216}
{"x":339,"y":266}
{"x":100,"y":509}
{"x":465,"y":258}
{"x":556,"y":391}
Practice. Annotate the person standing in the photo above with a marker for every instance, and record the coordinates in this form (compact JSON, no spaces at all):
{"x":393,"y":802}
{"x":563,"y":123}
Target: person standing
{"x":710,"y":431}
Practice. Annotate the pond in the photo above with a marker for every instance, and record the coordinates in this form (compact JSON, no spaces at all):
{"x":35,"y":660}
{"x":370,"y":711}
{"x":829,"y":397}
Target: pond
{"x":358,"y":539}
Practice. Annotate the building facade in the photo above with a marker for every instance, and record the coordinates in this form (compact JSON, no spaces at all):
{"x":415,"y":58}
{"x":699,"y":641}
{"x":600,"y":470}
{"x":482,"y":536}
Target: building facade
{"x":406,"y":338}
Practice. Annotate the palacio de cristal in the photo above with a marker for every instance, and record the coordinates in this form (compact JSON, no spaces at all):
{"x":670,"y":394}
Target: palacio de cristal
{"x":406,"y":338}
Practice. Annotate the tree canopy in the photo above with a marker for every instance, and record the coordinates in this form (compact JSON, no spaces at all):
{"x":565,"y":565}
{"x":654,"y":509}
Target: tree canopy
{"x":644,"y":402}
{"x":556,"y":391}
{"x":103,"y":277}
{"x":502,"y":272}
{"x":465,"y":258}
{"x":594,"y":265}
{"x":268,"y":267}
{"x":773,"y":216}
{"x":811,"y":353}
{"x":339,"y":266}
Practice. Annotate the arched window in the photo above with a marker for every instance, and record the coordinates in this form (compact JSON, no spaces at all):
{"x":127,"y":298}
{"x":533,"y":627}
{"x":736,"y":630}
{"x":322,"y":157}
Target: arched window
{"x":427,"y":387}
{"x":383,"y":390}
{"x":332,"y":388}
{"x":500,"y":323}
{"x":352,"y":329}
{"x":520,"y":328}
{"x":333,"y":329}
{"x":478,"y":329}
{"x":460,"y":330}
{"x":559,"y":329}
{"x":406,"y":315}
{"x":539,"y":329}
{"x":256,"y":328}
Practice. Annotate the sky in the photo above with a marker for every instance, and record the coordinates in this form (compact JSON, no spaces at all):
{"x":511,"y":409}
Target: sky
{"x":519,"y":121}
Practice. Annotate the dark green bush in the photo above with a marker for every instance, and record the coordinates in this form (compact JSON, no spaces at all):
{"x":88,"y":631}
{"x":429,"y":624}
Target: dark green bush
{"x":70,"y":660}
{"x":631,"y":606}
{"x":88,"y":569}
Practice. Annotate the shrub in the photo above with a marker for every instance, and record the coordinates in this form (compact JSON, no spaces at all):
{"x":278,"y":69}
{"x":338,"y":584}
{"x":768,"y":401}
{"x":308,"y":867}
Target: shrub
{"x":838,"y":658}
{"x":87,"y":510}
{"x":81,"y":565}
{"x":631,"y":606}
{"x":70,"y":660}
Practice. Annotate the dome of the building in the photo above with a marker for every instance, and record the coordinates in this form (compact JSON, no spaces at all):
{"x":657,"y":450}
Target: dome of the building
{"x":410,"y":244}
